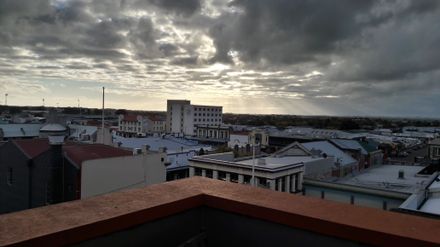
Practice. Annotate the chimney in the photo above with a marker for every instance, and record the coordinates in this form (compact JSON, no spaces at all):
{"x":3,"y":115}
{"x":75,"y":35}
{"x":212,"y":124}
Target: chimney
{"x":55,"y":183}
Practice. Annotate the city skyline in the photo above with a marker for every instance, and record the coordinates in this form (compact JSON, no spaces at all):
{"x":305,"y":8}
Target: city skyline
{"x":341,"y":58}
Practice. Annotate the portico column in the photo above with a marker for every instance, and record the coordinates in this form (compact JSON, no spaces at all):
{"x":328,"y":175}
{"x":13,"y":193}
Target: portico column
{"x":240,"y":179}
{"x":293,"y":183}
{"x":191,"y":171}
{"x":215,"y":174}
{"x":272,"y":184}
{"x":280,"y":183}
{"x":287,"y":184}
{"x":203,"y":173}
{"x":300,"y":181}
{"x":228,"y":177}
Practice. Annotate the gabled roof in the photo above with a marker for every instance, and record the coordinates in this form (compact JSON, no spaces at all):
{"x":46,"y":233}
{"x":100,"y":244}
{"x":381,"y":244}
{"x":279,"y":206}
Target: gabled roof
{"x":292,"y":146}
{"x":32,"y":147}
{"x":349,"y":145}
{"x":79,"y":153}
{"x":331,"y":150}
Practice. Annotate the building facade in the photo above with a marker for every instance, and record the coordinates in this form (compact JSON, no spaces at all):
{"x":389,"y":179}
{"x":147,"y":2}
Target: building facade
{"x":182,"y":117}
{"x":132,"y":125}
{"x":281,"y":174}
{"x":213,"y":133}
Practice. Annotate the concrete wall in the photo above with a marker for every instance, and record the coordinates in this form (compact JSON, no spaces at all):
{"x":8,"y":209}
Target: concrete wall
{"x":188,"y":120}
{"x":319,"y":168}
{"x":106,"y":175}
{"x":216,"y":228}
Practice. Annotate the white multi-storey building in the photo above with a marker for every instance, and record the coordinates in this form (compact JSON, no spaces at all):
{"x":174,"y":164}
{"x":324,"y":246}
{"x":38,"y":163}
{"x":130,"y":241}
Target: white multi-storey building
{"x":182,"y":117}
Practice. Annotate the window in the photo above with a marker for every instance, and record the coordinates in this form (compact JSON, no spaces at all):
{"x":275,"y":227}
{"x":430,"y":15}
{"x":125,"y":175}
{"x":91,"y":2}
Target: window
{"x":10,"y":178}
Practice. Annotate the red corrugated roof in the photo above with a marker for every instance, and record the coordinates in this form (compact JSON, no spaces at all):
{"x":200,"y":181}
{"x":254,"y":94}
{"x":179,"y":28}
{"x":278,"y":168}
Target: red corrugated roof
{"x":156,"y":118}
{"x":79,"y":153}
{"x":32,"y":147}
{"x":76,"y":152}
{"x":130,"y":118}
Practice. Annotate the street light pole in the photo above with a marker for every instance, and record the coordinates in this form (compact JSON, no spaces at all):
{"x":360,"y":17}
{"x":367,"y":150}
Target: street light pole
{"x":103,"y":95}
{"x":6,"y":99}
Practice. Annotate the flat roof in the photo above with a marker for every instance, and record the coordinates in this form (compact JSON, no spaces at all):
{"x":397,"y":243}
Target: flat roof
{"x":432,"y":205}
{"x":173,"y":145}
{"x":274,"y":162}
{"x":386,"y":177}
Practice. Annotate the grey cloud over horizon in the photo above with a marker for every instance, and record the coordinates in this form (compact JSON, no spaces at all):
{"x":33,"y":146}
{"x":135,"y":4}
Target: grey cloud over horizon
{"x":330,"y":54}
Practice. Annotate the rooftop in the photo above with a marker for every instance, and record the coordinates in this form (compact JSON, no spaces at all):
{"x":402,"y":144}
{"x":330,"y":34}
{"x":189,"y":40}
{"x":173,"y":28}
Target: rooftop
{"x":76,"y":152}
{"x":173,"y":145}
{"x":349,"y":145}
{"x":278,"y":162}
{"x":386,"y":177}
{"x":32,"y":147}
{"x":194,"y":206}
{"x":79,"y":153}
{"x":20,"y":130}
{"x":331,"y":150}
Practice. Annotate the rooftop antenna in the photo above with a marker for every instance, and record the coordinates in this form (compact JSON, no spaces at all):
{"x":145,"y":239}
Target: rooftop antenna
{"x":6,"y":99}
{"x":103,"y":98}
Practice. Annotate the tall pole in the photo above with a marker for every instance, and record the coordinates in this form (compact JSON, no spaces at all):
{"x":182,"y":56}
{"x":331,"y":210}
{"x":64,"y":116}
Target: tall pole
{"x":79,"y":108}
{"x":6,"y":99}
{"x":103,"y":97}
{"x":253,"y":163}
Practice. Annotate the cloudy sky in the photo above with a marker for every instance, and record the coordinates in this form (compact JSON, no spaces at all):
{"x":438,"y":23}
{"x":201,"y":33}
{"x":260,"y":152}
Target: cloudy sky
{"x":310,"y":57}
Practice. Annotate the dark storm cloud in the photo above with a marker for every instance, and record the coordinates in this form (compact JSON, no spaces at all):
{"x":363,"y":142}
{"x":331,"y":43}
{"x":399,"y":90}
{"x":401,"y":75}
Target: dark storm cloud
{"x":310,"y":49}
{"x":179,"y":7}
{"x":287,"y":31}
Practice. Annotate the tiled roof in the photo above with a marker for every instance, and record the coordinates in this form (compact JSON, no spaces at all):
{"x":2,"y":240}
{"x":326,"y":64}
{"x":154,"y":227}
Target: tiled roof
{"x":79,"y":153}
{"x":32,"y":147}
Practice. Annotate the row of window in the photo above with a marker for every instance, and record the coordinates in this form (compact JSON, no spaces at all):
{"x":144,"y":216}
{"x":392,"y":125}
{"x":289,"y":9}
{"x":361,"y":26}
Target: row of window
{"x":207,"y":109}
{"x":207,"y":120}
{"x":208,"y":114}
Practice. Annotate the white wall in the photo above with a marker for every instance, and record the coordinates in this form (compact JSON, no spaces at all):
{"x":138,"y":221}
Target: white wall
{"x":107,"y":175}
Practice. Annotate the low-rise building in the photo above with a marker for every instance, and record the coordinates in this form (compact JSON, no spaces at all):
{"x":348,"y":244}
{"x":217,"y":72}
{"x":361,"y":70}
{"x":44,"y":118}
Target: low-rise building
{"x":212,"y":133}
{"x":434,"y":150}
{"x":275,"y":173}
{"x":131,"y":125}
{"x":37,"y":172}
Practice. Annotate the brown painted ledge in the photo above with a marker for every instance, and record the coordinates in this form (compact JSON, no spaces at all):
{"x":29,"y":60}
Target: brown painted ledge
{"x":76,"y":221}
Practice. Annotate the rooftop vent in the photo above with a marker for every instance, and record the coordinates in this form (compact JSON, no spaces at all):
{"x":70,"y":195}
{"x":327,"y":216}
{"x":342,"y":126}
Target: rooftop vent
{"x":261,"y":162}
{"x":401,"y":174}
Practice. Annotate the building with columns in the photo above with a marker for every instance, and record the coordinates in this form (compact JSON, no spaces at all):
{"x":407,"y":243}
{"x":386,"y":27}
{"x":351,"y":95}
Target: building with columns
{"x":276,"y":173}
{"x":213,"y":133}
